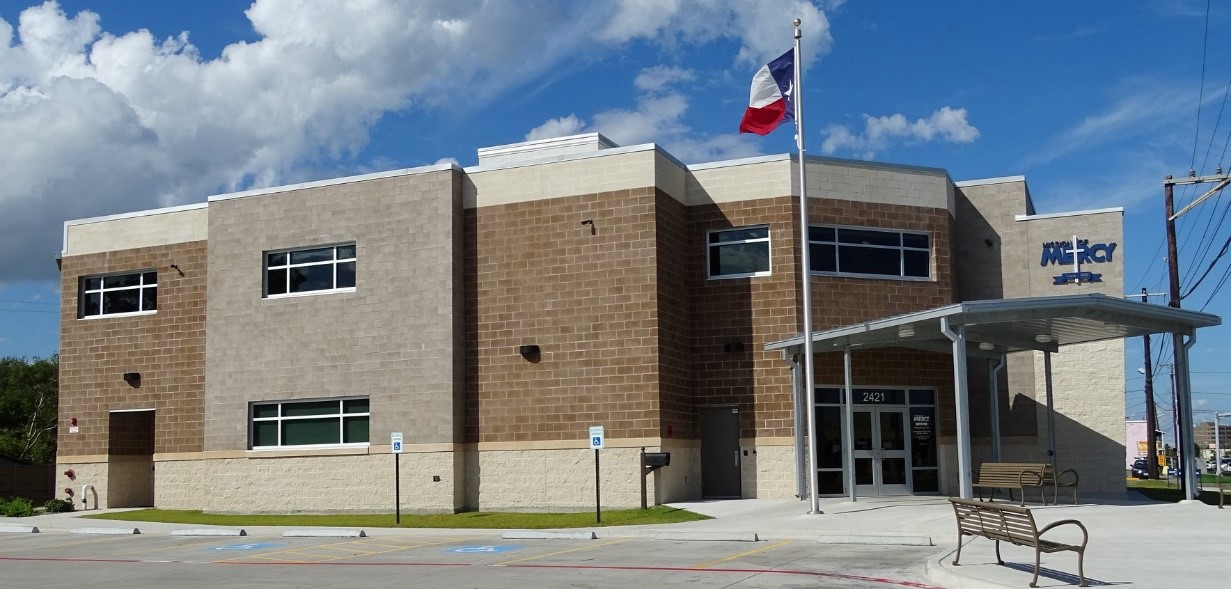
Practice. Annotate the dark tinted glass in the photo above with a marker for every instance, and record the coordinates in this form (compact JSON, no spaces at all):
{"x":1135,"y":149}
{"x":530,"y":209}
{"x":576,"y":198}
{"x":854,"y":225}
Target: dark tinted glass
{"x":275,"y":281}
{"x":926,"y":481}
{"x":149,"y":278}
{"x":869,"y":237}
{"x":310,"y":431}
{"x":264,"y":410}
{"x":323,"y":254}
{"x":829,"y":396}
{"x":866,"y":260}
{"x":264,"y":433}
{"x":149,"y":298}
{"x":922,"y":436}
{"x":355,"y":406}
{"x":278,"y":259}
{"x":346,"y":275}
{"x":914,"y":240}
{"x":93,"y":283}
{"x":308,"y":278}
{"x":121,"y":280}
{"x":312,"y":408}
{"x":121,"y":301}
{"x":739,"y":234}
{"x":740,"y":258}
{"x":821,"y":234}
{"x":822,"y":258}
{"x":916,"y":263}
{"x":346,"y":252}
{"x":89,"y":304}
{"x":923,"y":397}
{"x":354,"y":430}
{"x":829,"y":437}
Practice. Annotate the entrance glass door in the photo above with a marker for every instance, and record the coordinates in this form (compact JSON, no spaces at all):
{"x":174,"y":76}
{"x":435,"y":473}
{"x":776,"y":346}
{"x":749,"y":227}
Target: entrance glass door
{"x":880,"y":454}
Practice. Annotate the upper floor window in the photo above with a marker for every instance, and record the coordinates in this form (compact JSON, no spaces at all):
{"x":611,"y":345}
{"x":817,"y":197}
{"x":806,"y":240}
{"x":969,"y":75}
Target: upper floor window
{"x":118,"y":294}
{"x":332,"y":422}
{"x":739,"y":252}
{"x":869,"y":252}
{"x":311,"y":269}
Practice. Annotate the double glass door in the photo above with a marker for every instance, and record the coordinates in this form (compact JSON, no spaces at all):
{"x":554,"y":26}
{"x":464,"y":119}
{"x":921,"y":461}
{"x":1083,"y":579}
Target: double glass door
{"x":881,"y":457}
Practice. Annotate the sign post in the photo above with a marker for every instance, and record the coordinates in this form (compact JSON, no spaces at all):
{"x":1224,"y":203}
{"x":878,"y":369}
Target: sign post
{"x":395,"y":441}
{"x":596,"y":442}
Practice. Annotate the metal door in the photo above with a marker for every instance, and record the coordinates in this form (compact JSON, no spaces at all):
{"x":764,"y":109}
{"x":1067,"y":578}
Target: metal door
{"x":881,"y":457}
{"x":720,"y":460}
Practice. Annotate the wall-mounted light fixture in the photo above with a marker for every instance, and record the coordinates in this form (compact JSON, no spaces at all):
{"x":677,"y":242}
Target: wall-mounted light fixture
{"x":906,"y":331}
{"x":177,"y":269}
{"x":986,"y":346}
{"x":988,"y":242}
{"x":132,"y":378}
{"x":529,"y":351}
{"x":733,"y":347}
{"x":1043,"y":338}
{"x":589,"y":222}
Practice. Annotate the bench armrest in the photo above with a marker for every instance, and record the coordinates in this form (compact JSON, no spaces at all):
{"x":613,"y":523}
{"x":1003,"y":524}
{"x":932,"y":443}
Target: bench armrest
{"x":1060,"y":478}
{"x":1030,"y":478}
{"x":1085,"y":536}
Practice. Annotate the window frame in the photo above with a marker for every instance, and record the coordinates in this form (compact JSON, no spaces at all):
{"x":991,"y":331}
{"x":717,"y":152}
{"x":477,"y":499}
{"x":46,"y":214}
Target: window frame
{"x":266,"y":268}
{"x":901,"y":248}
{"x":141,"y":287}
{"x":710,"y":246}
{"x":280,"y":418}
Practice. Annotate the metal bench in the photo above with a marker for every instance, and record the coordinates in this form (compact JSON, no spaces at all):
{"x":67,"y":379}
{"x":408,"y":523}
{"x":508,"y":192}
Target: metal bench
{"x":1011,"y":475}
{"x":1007,"y":523}
{"x":1067,"y":479}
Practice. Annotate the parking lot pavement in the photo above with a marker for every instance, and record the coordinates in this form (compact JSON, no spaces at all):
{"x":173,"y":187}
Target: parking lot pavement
{"x":479,"y":560}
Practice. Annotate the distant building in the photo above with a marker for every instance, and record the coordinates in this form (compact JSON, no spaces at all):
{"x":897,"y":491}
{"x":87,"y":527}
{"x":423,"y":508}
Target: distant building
{"x":1203,"y":437}
{"x":257,"y":351}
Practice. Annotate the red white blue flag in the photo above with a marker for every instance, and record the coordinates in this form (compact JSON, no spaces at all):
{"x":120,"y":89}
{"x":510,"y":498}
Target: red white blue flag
{"x":771,"y":100}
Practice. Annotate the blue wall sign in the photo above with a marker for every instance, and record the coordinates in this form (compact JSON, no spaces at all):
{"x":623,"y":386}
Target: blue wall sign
{"x":1064,"y":253}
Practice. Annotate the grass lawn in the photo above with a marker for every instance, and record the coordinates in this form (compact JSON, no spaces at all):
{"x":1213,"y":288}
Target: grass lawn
{"x":490,"y":520}
{"x":1169,"y":490}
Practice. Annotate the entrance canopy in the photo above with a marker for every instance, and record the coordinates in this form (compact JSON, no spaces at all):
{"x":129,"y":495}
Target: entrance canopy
{"x":991,"y":328}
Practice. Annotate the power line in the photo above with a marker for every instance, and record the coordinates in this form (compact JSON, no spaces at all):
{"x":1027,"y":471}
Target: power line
{"x":1204,"y":52}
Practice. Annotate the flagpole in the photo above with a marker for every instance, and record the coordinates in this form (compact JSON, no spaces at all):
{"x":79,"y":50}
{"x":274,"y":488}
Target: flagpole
{"x":805,"y":274}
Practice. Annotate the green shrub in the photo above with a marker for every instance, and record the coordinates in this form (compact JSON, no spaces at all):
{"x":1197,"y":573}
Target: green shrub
{"x":17,"y":507}
{"x":57,"y":506}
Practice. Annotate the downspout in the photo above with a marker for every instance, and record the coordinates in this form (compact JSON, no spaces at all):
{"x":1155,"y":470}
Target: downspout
{"x":801,"y":467}
{"x":848,"y":439}
{"x":993,"y":387}
{"x":961,"y":402}
{"x":1186,"y":422}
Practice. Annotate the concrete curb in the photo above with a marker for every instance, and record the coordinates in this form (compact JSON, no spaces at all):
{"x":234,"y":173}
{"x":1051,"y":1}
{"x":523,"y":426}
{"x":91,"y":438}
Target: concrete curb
{"x":324,"y":533}
{"x":18,"y":530}
{"x":944,"y":576}
{"x":111,"y":531}
{"x":708,"y":536}
{"x":876,"y":540}
{"x":530,"y":535}
{"x":209,"y":532}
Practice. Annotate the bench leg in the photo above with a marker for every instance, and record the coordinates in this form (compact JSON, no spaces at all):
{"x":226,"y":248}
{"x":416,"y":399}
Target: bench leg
{"x":1081,"y":569}
{"x":959,"y":551}
{"x":1037,"y":555}
{"x":998,"y":559}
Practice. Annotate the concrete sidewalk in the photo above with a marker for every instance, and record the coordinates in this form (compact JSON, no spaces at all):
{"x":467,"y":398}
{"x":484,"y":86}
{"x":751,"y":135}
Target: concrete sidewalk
{"x":1135,"y":543}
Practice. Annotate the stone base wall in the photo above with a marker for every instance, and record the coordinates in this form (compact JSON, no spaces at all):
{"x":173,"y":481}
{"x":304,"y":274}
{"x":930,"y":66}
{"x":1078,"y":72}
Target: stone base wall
{"x":769,"y":470}
{"x":563,"y":480}
{"x":86,"y":473}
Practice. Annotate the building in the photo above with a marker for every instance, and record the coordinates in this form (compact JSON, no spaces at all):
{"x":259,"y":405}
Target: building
{"x":257,"y":351}
{"x":1203,"y":437}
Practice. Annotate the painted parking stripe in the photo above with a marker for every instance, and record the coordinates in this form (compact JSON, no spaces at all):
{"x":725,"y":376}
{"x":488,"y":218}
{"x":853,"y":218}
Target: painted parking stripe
{"x":577,"y":549}
{"x":710,"y":563}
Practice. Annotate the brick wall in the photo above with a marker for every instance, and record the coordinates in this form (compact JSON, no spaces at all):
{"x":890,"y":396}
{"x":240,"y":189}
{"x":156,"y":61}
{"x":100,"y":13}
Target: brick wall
{"x":586,"y":295}
{"x":167,"y":348}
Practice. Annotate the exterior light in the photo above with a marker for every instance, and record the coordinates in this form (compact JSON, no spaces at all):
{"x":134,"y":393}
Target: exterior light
{"x":986,"y":347}
{"x":906,"y":331}
{"x":1043,"y":338}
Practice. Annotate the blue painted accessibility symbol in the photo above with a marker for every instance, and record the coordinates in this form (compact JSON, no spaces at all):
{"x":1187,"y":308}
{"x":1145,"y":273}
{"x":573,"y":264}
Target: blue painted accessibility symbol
{"x":487,"y":549}
{"x":256,"y":546}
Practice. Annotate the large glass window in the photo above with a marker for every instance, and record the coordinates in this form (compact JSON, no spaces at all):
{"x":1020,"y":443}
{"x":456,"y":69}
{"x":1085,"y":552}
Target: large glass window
{"x":869,"y":252}
{"x":118,"y":294}
{"x":333,"y":422}
{"x":307,"y":270}
{"x":739,"y":252}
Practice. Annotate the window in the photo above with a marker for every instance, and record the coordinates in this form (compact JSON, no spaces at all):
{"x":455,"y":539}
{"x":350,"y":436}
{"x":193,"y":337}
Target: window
{"x":737,"y":253}
{"x":306,"y":270}
{"x":334,"y":422}
{"x":869,"y":252}
{"x":119,"y":294}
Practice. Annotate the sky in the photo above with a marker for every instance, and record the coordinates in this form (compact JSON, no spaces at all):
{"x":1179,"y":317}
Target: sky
{"x":118,"y":106}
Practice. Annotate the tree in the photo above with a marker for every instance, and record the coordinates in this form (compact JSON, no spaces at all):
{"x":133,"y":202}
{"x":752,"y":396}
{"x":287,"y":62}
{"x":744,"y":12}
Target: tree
{"x":29,"y":397}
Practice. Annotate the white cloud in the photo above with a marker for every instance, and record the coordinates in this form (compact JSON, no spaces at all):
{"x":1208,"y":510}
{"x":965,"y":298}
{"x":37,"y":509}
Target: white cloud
{"x":96,"y":122}
{"x":567,"y":125}
{"x":947,"y":124}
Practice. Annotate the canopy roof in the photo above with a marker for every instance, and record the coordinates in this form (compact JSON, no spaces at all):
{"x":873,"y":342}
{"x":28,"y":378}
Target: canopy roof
{"x":997,"y":326}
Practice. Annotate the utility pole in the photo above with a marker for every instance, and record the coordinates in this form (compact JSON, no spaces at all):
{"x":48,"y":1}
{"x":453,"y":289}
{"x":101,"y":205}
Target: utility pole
{"x":1151,"y":415}
{"x":1183,"y":409}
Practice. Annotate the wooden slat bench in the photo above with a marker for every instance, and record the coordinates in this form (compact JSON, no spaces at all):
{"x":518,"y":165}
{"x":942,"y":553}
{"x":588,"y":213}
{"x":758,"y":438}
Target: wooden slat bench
{"x":1011,"y":475}
{"x":1008,"y":523}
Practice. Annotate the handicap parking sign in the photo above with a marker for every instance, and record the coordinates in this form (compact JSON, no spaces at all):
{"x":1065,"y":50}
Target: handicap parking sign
{"x":251,"y":546}
{"x":487,"y":549}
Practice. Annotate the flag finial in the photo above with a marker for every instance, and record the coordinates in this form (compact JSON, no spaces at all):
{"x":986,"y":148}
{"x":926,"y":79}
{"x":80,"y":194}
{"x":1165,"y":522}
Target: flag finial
{"x":798,"y":22}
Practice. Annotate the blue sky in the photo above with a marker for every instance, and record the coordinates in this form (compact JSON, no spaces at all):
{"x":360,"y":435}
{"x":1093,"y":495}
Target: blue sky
{"x":109,"y":107}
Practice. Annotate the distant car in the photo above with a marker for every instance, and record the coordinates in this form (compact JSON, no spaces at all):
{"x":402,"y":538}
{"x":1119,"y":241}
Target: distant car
{"x":1226,"y":466}
{"x":1140,"y":468}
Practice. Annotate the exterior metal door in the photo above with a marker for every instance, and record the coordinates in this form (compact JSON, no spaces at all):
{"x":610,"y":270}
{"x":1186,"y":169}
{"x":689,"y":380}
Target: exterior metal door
{"x":720,"y":460}
{"x":881,"y":457}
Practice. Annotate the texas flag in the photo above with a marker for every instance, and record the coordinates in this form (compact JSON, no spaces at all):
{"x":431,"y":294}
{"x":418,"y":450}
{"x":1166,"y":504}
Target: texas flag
{"x":771,"y":101}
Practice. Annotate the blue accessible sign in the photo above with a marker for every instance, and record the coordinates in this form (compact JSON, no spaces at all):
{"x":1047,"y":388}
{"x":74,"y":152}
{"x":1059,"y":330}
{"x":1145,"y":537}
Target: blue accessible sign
{"x":488,"y":549}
